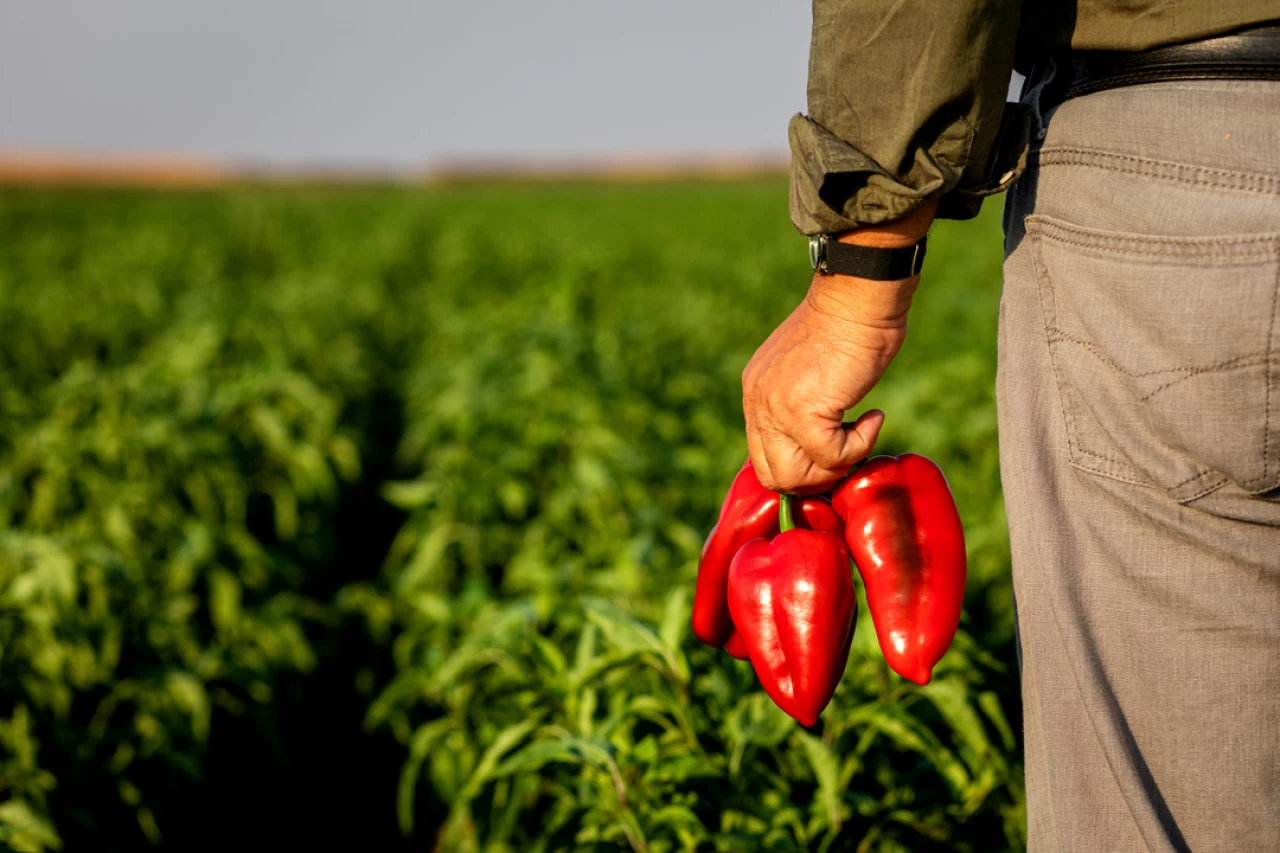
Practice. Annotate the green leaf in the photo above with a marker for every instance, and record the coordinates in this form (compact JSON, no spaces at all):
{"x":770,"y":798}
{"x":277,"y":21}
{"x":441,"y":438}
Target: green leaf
{"x":224,"y":600}
{"x":423,"y":739}
{"x":426,"y":559}
{"x":906,"y":732}
{"x":605,"y":664}
{"x":681,"y":768}
{"x":550,"y":654}
{"x":188,"y":693}
{"x":537,"y":754}
{"x":679,"y":818}
{"x":989,"y":702}
{"x":598,"y":754}
{"x":757,"y":720}
{"x":629,"y":634}
{"x":407,"y":495}
{"x":675,"y":618}
{"x":501,"y":744}
{"x":951,"y":698}
{"x":24,"y":831}
{"x":826,"y":769}
{"x":584,"y":651}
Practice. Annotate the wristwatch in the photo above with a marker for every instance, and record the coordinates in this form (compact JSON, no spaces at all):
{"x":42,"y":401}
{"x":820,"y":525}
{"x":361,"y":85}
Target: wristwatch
{"x":828,"y":256}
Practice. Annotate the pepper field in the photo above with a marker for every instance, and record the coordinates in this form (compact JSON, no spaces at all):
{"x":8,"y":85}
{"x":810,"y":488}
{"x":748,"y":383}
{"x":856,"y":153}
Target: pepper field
{"x":368,"y":518}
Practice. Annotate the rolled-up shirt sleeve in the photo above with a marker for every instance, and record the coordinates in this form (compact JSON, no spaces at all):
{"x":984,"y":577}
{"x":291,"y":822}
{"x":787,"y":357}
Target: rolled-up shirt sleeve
{"x":906,"y":103}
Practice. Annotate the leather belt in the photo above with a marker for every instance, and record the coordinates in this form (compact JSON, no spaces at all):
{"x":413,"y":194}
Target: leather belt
{"x":1252,"y":54}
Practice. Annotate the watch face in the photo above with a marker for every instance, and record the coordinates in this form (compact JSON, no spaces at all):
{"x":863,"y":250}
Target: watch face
{"x":815,"y":252}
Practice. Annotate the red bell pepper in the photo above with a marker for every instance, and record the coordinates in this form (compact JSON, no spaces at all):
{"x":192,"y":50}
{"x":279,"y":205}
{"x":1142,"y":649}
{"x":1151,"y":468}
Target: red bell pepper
{"x":904,"y":532}
{"x":750,"y":511}
{"x":792,"y":599}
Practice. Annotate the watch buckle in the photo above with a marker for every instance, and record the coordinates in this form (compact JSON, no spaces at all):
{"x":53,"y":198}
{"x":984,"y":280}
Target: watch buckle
{"x":818,"y":253}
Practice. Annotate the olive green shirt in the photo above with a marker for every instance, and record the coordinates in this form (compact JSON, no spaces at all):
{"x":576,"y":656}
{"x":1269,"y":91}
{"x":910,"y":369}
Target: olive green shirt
{"x":907,"y":97}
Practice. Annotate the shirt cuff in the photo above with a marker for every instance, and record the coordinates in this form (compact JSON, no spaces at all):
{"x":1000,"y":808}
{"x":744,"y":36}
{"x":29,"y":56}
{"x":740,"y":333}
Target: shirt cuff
{"x":835,"y":187}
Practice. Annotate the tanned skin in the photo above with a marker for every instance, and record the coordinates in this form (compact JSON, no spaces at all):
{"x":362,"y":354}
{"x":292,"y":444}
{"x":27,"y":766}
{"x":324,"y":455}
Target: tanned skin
{"x":821,"y":361}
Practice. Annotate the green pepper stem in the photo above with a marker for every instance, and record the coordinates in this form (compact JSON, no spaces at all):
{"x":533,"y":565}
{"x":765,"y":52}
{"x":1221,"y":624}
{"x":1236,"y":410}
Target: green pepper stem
{"x":784,"y":514}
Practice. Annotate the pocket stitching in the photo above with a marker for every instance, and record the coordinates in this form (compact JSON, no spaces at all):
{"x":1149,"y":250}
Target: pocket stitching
{"x":1041,"y":274}
{"x":1038,"y":227}
{"x":1075,"y":451}
{"x":1182,"y":249}
{"x":1248,"y":360}
{"x":1060,"y":336}
{"x":1163,"y":169}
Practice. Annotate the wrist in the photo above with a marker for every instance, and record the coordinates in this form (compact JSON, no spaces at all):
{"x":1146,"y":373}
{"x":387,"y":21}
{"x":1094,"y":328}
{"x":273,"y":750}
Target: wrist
{"x":871,"y":307}
{"x":867,"y":332}
{"x":873,"y":311}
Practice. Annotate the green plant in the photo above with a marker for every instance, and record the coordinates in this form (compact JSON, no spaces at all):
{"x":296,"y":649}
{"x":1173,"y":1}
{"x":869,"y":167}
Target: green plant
{"x":200,"y":391}
{"x":574,"y":416}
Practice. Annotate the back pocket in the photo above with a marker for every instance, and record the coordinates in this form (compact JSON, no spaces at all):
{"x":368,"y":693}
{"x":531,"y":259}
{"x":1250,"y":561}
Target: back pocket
{"x":1162,"y":349}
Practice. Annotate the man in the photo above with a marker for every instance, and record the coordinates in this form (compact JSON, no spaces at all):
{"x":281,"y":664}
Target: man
{"x":1139,"y":368}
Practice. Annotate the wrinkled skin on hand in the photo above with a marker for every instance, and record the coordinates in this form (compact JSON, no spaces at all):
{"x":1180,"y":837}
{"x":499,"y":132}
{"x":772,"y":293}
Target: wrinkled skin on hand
{"x":821,"y":361}
{"x":818,"y":364}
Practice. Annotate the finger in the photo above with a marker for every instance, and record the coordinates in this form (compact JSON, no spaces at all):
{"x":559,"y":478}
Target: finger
{"x":755,"y":451}
{"x":790,"y":468}
{"x":776,"y":450}
{"x":867,"y":428}
{"x":814,"y":480}
{"x":840,"y":446}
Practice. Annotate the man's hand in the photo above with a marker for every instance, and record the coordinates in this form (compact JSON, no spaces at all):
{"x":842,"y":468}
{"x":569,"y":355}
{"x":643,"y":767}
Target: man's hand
{"x":820,"y":362}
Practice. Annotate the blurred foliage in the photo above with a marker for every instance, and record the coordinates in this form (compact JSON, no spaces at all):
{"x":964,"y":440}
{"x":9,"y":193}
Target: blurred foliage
{"x":192,"y":384}
{"x":185,"y":383}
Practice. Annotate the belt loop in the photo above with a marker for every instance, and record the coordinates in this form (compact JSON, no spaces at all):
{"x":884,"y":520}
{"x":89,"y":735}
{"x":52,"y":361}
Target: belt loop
{"x":1043,"y":91}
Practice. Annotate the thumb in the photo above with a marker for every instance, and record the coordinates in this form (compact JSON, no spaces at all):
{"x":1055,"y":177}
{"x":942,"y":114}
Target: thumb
{"x":861,"y":435}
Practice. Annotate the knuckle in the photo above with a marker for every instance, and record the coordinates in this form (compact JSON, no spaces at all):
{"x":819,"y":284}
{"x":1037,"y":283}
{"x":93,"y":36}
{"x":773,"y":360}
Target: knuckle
{"x":825,"y":459}
{"x":777,"y":484}
{"x":786,"y":478}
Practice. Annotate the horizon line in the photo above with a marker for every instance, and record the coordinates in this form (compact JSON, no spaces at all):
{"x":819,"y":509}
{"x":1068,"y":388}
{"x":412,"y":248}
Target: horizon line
{"x":55,"y":167}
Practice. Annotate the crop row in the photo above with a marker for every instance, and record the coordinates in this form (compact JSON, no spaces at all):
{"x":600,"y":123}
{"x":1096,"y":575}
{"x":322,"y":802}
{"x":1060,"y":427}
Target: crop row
{"x":543,"y":384}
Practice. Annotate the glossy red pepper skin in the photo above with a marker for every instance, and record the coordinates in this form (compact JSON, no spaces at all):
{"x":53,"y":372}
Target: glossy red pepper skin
{"x":904,"y":532}
{"x":735,"y":645}
{"x":750,"y":511}
{"x":792,"y":599}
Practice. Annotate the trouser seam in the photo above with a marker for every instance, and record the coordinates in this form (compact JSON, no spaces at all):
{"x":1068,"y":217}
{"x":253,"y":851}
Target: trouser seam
{"x":1166,"y":169}
{"x":1266,"y":408}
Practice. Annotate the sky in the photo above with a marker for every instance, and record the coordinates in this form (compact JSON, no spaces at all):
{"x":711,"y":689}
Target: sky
{"x":393,"y":84}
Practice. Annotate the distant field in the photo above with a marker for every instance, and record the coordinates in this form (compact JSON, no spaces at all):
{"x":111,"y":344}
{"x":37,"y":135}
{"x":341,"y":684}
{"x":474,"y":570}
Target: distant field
{"x":370,"y":517}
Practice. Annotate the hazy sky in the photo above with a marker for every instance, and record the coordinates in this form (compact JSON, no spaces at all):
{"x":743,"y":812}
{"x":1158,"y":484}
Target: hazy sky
{"x":391,"y":83}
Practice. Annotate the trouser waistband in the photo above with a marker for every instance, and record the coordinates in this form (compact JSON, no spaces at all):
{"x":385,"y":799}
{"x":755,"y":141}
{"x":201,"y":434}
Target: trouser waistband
{"x":1252,"y":54}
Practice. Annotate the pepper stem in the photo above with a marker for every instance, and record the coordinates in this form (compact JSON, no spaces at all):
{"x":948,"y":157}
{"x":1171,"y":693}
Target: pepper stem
{"x":784,"y":514}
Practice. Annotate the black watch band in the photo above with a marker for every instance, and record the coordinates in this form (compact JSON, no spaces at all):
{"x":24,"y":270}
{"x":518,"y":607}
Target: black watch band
{"x":829,"y":256}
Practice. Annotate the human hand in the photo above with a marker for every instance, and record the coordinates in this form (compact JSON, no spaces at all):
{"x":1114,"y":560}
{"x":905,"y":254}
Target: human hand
{"x":822,"y":361}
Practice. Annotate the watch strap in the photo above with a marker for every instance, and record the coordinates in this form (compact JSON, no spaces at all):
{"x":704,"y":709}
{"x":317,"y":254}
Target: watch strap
{"x":870,"y":262}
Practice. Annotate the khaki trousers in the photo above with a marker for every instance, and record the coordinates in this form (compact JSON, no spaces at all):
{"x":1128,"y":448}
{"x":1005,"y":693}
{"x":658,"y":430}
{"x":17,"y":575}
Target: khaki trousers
{"x":1139,"y":400}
